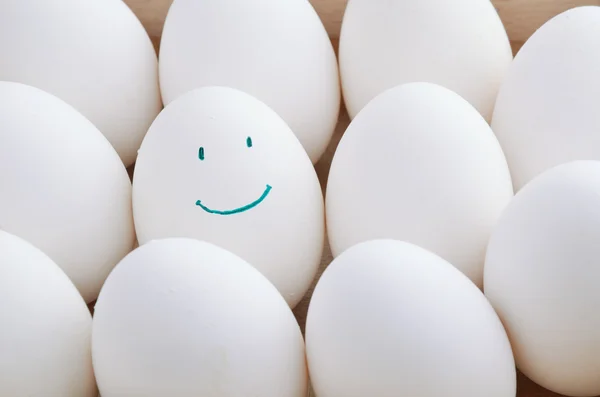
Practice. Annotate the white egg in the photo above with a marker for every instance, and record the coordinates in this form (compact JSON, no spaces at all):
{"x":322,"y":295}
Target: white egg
{"x":542,"y":276}
{"x":419,"y":164}
{"x":219,"y":165}
{"x":461,"y":45}
{"x":277,"y":51}
{"x":46,"y":327}
{"x":63,"y":187}
{"x":388,"y":318}
{"x":547,"y":108}
{"x":181,"y":317}
{"x":94,"y":55}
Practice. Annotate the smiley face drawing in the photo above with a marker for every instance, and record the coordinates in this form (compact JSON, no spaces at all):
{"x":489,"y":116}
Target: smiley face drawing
{"x":219,"y":165}
{"x":239,"y":209}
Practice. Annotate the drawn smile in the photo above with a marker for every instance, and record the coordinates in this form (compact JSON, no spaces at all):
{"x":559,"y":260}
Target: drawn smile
{"x":237,"y":210}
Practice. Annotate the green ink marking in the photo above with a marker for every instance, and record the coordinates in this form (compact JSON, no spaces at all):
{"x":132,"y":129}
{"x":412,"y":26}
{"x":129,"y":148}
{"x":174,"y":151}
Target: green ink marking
{"x":237,"y":210}
{"x":201,"y":153}
{"x":249,"y":142}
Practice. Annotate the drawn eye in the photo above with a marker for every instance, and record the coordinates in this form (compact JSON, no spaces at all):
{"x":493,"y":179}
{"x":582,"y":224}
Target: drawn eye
{"x":201,"y":153}
{"x":249,"y":142}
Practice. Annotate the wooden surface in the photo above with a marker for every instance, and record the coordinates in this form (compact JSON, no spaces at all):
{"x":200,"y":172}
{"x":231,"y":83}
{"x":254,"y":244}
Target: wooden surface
{"x":521,"y":18}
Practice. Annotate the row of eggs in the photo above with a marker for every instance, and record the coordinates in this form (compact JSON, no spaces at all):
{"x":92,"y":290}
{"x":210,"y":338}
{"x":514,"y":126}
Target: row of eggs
{"x":187,"y":318}
{"x":279,"y":52}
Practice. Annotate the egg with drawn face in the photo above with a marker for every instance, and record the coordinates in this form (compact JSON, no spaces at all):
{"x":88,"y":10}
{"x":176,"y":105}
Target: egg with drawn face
{"x":219,"y":165}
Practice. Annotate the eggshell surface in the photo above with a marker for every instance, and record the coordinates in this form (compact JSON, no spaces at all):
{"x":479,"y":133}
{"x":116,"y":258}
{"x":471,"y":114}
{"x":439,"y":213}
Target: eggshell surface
{"x":277,"y":51}
{"x":541,"y":276}
{"x":63,"y":187}
{"x":181,"y":317}
{"x":419,"y":164}
{"x":94,"y":55}
{"x":219,"y":165}
{"x":388,"y":318}
{"x":546,"y":112}
{"x":46,"y":327}
{"x":461,"y":45}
